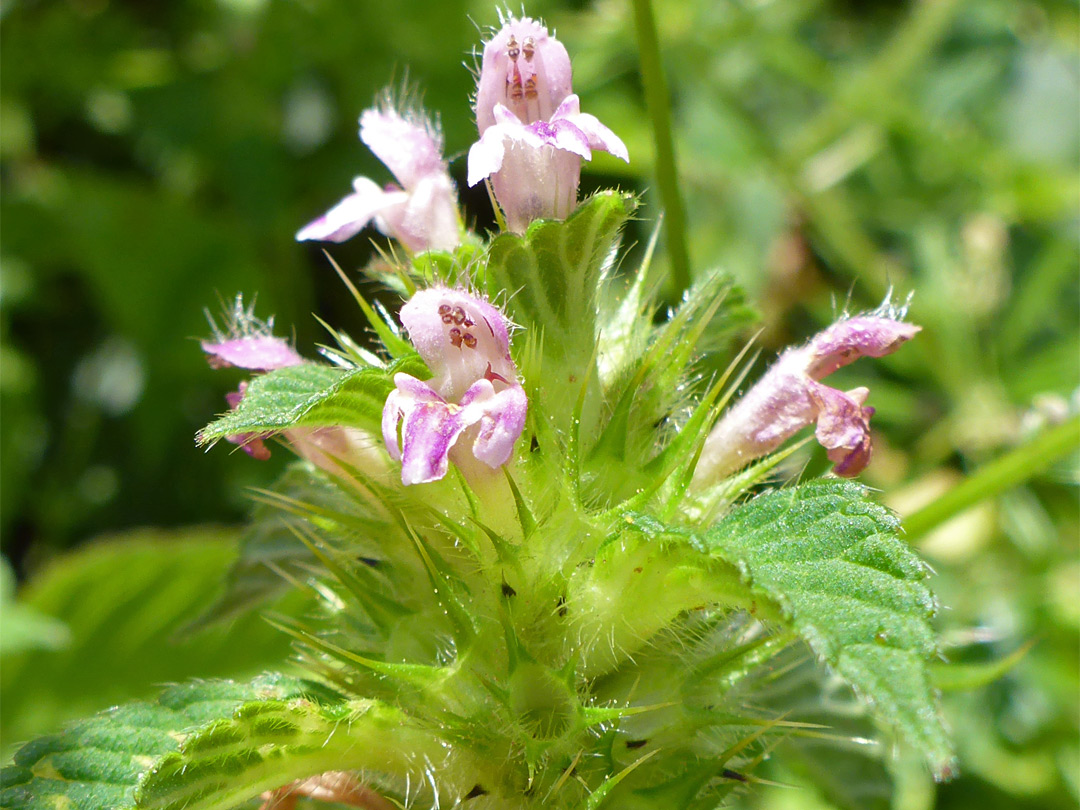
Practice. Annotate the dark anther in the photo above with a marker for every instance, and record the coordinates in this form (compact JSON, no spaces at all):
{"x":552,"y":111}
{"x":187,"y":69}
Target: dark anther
{"x":738,"y":777}
{"x":635,"y":743}
{"x":507,"y":591}
{"x":512,"y":48}
{"x":459,"y":316}
{"x":455,"y":336}
{"x":476,"y":791}
{"x":469,"y":340}
{"x":529,"y":47}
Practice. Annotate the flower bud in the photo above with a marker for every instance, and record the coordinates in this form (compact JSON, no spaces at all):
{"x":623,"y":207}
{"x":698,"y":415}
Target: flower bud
{"x":422,"y":212}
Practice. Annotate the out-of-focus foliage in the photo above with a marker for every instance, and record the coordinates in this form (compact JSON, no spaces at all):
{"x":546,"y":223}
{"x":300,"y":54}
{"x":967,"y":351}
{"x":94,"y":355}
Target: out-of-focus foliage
{"x":157,"y":155}
{"x":121,"y":607}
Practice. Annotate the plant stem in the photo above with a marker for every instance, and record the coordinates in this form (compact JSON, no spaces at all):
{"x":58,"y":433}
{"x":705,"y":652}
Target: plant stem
{"x":658,"y":104}
{"x":994,"y":478}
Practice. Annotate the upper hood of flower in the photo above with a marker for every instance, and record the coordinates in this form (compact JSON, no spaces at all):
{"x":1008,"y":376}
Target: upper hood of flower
{"x":524,"y":69}
{"x":461,"y":337}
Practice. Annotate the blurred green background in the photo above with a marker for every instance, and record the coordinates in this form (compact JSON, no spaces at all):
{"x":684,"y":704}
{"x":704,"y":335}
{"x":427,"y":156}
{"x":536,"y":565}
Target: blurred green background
{"x":157,"y":158}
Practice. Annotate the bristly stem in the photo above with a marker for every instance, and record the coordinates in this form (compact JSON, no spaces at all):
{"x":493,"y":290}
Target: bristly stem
{"x":658,"y":103}
{"x":1004,"y":473}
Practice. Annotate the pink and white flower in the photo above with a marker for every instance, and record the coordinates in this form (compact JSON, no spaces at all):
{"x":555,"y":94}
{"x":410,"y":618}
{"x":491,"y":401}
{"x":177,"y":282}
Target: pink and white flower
{"x":523,"y":69}
{"x":533,"y":135}
{"x":422,"y":211}
{"x":789,"y":397}
{"x":474,"y":407}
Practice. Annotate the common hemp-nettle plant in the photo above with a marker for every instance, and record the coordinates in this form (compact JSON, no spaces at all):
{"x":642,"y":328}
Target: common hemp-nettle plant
{"x":547,"y":559}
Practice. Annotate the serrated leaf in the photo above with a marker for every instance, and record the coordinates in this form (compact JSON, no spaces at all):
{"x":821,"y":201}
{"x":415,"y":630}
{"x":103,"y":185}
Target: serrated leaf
{"x":213,"y":745}
{"x":312,"y":395}
{"x":835,"y":563}
{"x":98,"y":763}
{"x":264,"y":745}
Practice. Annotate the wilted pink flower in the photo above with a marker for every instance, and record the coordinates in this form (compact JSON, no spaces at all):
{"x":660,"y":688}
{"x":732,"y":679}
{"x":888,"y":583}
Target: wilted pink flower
{"x":474,"y":395}
{"x":789,"y":397}
{"x":422,"y":212}
{"x":533,"y":134}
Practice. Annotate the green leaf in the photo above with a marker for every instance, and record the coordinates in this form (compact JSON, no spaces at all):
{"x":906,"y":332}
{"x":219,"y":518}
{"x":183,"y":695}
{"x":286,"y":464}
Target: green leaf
{"x":552,"y":274}
{"x":312,"y":395}
{"x":98,"y":763}
{"x":123,"y":601}
{"x":266,"y":744}
{"x":835,"y":563}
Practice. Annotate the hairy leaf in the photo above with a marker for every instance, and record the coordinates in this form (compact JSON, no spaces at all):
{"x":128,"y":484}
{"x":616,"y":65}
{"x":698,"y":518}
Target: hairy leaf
{"x":98,"y":763}
{"x":835,"y":563}
{"x":312,"y":395}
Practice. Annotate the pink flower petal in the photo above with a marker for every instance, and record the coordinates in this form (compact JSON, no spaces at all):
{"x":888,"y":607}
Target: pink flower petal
{"x":410,"y":147}
{"x":255,"y":352}
{"x":501,"y":423}
{"x":348,"y":217}
{"x":843,"y":427}
{"x":525,"y":70}
{"x":461,"y":337}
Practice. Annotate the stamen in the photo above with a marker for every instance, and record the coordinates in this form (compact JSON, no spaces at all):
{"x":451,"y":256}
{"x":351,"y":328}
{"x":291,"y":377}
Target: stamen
{"x":529,"y":47}
{"x":459,"y":316}
{"x":512,"y":48}
{"x":444,"y":313}
{"x":455,"y":337}
{"x":469,"y":340}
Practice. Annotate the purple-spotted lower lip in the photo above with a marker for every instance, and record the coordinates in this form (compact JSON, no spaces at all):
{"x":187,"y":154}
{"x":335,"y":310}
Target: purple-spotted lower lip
{"x":430,"y":426}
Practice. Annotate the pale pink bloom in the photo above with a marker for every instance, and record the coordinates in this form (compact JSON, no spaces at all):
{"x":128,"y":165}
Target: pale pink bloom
{"x":789,"y":397}
{"x":475,"y":394}
{"x":421,"y":212}
{"x":523,"y":69}
{"x":533,"y":135}
{"x":535,"y":168}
